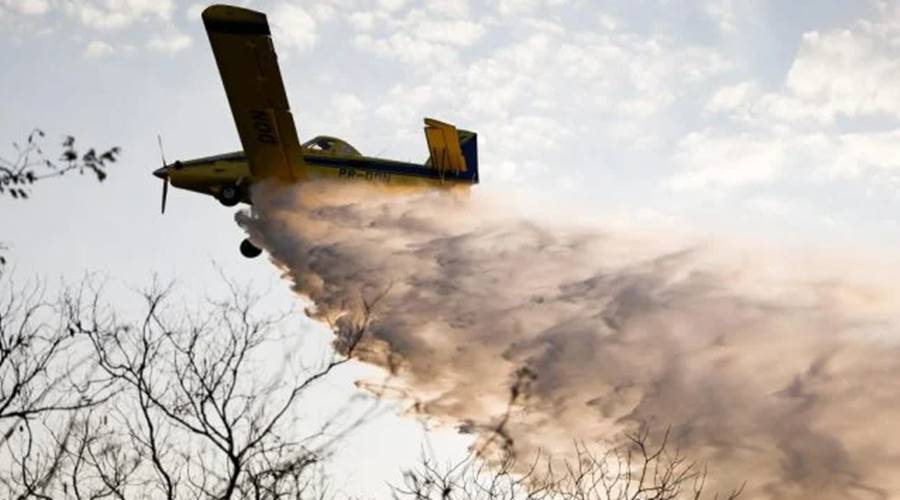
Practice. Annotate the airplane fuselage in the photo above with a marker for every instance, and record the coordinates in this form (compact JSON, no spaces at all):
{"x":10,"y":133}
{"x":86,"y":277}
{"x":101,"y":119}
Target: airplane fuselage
{"x":213,"y":174}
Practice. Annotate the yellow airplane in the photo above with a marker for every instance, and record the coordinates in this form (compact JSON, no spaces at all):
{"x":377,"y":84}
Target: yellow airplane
{"x":242,"y":45}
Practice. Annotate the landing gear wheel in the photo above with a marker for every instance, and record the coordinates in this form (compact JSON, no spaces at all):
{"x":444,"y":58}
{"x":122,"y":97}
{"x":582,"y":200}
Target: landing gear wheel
{"x":230,"y":195}
{"x":249,"y":250}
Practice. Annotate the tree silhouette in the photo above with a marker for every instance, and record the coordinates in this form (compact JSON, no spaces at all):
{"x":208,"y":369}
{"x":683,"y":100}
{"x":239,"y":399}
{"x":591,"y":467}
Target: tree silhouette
{"x":638,"y":468}
{"x":47,"y":378}
{"x":31,"y":164}
{"x":180,"y":404}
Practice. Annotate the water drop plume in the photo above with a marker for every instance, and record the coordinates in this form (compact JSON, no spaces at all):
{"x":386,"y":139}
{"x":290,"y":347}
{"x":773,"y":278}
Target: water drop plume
{"x":774,"y":371}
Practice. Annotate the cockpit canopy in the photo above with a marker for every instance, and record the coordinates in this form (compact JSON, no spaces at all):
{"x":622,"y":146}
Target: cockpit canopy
{"x":332,"y":145}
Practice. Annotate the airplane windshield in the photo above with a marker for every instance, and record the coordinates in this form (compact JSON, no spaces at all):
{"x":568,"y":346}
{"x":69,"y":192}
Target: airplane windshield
{"x":330,"y":145}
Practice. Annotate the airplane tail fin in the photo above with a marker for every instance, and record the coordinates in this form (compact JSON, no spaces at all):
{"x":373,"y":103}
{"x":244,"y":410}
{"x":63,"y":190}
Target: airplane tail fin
{"x":468,"y":143}
{"x":452,"y":152}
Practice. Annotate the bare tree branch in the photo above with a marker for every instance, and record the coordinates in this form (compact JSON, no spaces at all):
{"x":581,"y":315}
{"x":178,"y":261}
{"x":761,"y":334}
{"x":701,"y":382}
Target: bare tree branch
{"x":200,"y":379}
{"x":640,"y":468}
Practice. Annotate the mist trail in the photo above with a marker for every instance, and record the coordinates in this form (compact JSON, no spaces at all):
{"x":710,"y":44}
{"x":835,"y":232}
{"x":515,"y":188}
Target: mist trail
{"x":789,"y":380}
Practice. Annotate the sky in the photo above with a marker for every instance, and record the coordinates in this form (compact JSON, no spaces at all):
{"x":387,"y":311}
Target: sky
{"x":763,"y":120}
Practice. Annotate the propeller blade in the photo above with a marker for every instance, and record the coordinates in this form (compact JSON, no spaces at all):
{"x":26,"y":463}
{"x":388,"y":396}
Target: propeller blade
{"x":163,"y":173}
{"x":165,"y":193}
{"x":162,"y":155}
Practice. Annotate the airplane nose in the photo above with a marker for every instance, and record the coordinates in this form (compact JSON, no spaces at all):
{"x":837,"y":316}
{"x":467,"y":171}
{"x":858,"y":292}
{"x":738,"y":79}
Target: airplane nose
{"x":161,"y":172}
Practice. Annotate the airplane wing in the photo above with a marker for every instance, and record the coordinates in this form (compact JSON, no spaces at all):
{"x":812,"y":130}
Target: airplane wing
{"x":242,"y":45}
{"x":443,"y":145}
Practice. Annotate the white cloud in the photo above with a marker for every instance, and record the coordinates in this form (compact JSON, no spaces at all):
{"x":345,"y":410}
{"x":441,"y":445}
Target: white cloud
{"x":362,"y":21}
{"x":718,"y":162}
{"x":96,"y":49}
{"x":322,"y":12}
{"x":715,"y":162}
{"x":769,"y":205}
{"x":723,"y":12}
{"x":404,"y":103}
{"x":194,"y":10}
{"x":530,"y":134}
{"x":420,"y":37}
{"x":735,"y":16}
{"x":733,"y":97}
{"x":861,"y":152}
{"x":407,"y":49}
{"x":348,"y":106}
{"x":293,"y":27}
{"x":521,"y":7}
{"x":516,"y":6}
{"x":348,"y":111}
{"x":461,"y":33}
{"x":27,"y":7}
{"x":543,"y":89}
{"x":608,"y":22}
{"x":391,"y":5}
{"x":170,"y":44}
{"x":448,"y":8}
{"x":115,"y":14}
{"x":849,"y":72}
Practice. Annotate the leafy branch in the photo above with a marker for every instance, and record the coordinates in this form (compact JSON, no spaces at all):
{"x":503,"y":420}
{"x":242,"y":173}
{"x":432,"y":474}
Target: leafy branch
{"x":31,"y":164}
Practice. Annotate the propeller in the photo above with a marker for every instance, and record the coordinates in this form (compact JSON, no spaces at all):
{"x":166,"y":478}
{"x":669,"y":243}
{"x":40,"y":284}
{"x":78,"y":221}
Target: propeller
{"x":163,"y":174}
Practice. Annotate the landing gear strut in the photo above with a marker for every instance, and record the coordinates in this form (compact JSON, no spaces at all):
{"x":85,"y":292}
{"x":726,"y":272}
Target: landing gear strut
{"x":249,"y":250}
